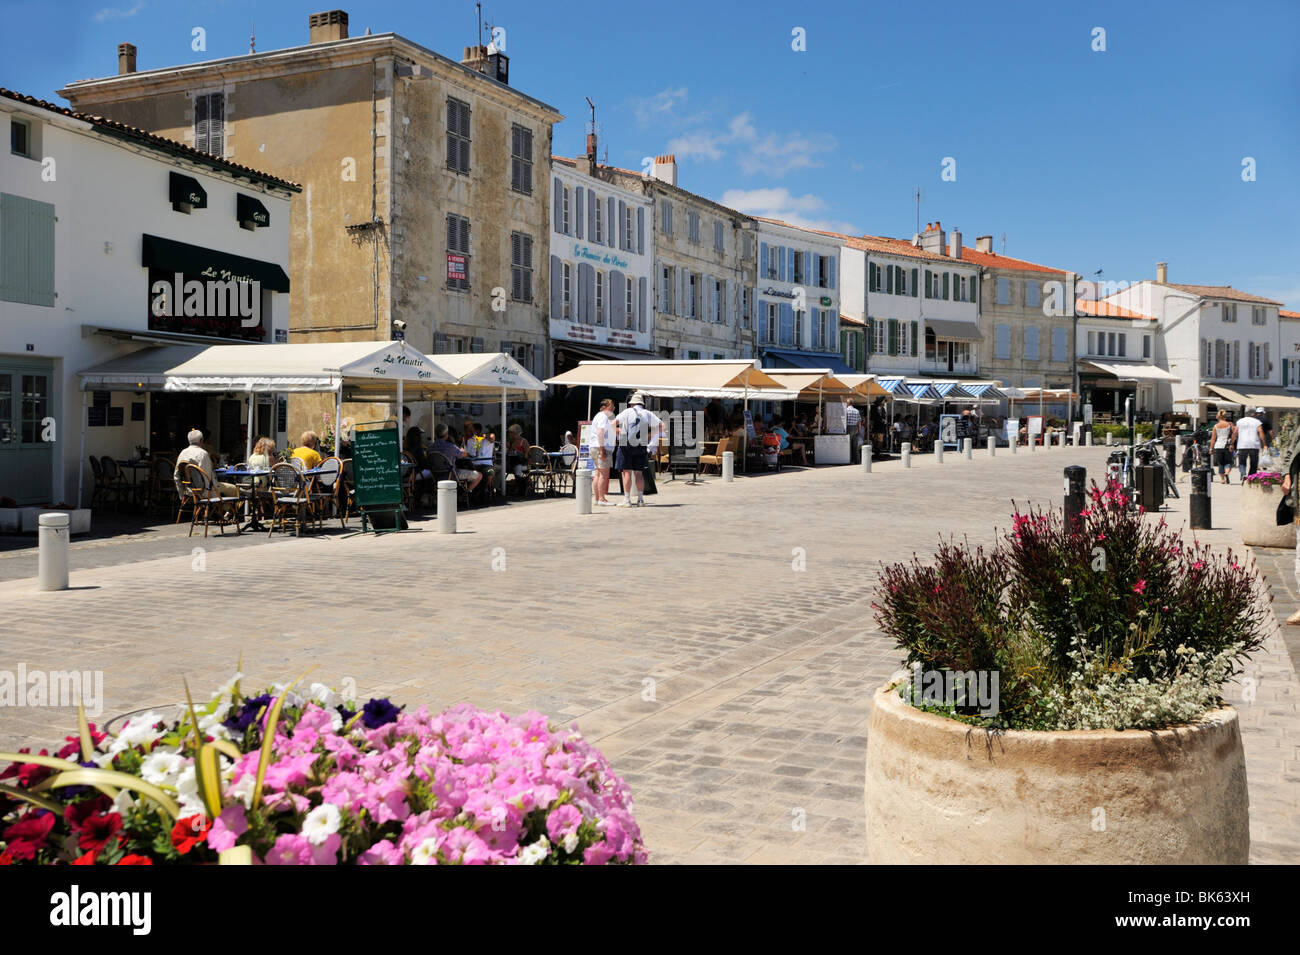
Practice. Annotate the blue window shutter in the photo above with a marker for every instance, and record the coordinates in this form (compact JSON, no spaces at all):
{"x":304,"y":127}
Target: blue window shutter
{"x":610,"y":225}
{"x":830,"y":271}
{"x":557,"y":287}
{"x":591,"y":214}
{"x":557,"y":194}
{"x":787,"y":323}
{"x":577,"y":212}
{"x":762,"y":260}
{"x":785,"y":264}
{"x":640,"y":312}
{"x":591,"y":296}
{"x":640,"y":231}
{"x":622,"y":225}
{"x":815,"y":336}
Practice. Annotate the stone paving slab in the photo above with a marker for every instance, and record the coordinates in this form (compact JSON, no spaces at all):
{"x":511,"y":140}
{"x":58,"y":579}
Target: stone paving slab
{"x":730,"y":688}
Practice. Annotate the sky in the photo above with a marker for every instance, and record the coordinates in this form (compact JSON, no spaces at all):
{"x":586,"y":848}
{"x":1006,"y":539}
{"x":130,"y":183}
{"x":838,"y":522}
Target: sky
{"x":1091,"y":135}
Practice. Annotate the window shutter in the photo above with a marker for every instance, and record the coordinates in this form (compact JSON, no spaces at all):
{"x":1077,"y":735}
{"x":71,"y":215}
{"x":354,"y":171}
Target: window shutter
{"x":1267,"y":367}
{"x":889,"y":279}
{"x":871,"y":276}
{"x":892,"y":332}
{"x":914,"y":290}
{"x":618,"y":296}
{"x":762,"y":260}
{"x":577,"y":211}
{"x":679,"y":282}
{"x":640,"y":309}
{"x":610,"y":225}
{"x":622,"y":225}
{"x":945,"y":286}
{"x":929,"y":284}
{"x":830,"y":272}
{"x":640,"y":231}
{"x":557,"y":288}
{"x":668,"y":217}
{"x":727,"y":309}
{"x":1218,"y":357}
{"x":871,"y":335}
{"x":557,"y":197}
{"x":915,"y":329}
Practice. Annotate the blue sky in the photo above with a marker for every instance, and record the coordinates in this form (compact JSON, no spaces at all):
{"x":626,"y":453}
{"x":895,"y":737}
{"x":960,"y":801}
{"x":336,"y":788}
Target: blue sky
{"x":1086,"y":160}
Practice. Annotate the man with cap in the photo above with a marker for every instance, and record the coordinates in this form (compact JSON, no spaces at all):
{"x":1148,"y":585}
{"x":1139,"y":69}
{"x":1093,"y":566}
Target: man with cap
{"x":638,"y":430}
{"x":1249,"y":436}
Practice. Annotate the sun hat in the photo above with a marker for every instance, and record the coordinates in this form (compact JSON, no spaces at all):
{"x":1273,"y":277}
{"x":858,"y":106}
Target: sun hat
{"x":636,"y":399}
{"x":1259,"y":411}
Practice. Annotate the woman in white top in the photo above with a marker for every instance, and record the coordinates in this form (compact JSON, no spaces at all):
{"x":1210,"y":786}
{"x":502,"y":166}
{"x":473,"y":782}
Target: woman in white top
{"x":1221,"y":445}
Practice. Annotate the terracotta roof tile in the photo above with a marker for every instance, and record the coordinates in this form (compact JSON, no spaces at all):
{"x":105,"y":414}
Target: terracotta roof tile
{"x":1107,"y":310}
{"x":1283,"y":313}
{"x":1221,"y":291}
{"x":152,"y":139}
{"x":994,"y":261}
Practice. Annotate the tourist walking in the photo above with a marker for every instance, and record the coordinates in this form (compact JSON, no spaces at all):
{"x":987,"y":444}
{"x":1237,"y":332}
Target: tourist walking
{"x":1249,"y":438}
{"x":638,"y":430}
{"x":601,"y":438}
{"x":1221,"y":445}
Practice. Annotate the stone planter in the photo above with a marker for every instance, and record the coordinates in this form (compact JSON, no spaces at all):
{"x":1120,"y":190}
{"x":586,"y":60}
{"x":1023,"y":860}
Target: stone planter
{"x":940,"y":791}
{"x":1259,"y":526}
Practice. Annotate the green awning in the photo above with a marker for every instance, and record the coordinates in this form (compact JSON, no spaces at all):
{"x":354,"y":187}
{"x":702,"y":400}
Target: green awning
{"x":186,"y":189}
{"x":195,"y":261}
{"x":248,"y":209}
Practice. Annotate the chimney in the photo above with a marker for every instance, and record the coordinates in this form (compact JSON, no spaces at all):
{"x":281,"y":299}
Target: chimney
{"x":1162,"y":272}
{"x":327,"y":26}
{"x":475,"y":58}
{"x":932,"y":238}
{"x":984,"y":243}
{"x":125,"y":58}
{"x":666,"y":169}
{"x":954,"y":244}
{"x":591,"y":155}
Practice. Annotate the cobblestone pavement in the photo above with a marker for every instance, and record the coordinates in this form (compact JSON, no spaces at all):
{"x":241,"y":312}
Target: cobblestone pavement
{"x":730,"y":688}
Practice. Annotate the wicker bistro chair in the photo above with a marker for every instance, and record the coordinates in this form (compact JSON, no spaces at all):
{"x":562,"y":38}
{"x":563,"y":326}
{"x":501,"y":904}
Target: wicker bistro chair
{"x":564,"y":471}
{"x":162,"y":473}
{"x":325,"y":494}
{"x":347,"y":491}
{"x":291,"y":493}
{"x":115,"y":484}
{"x":204,"y":498}
{"x":408,"y":476}
{"x":539,"y":475}
{"x":444,"y":469}
{"x":100,"y":491}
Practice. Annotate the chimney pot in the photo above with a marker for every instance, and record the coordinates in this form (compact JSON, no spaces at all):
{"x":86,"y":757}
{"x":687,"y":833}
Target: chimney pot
{"x":1162,"y":272}
{"x":125,"y":58}
{"x":665,"y":169}
{"x":475,"y":57}
{"x":983,"y":243}
{"x":326,"y":26}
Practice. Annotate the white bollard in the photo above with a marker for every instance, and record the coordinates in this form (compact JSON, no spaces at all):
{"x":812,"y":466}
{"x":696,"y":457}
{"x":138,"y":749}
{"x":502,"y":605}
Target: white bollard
{"x":906,"y":451}
{"x":53,"y":534}
{"x":1110,"y":439}
{"x":446,"y":507}
{"x":968,"y":448}
{"x":866,"y":460}
{"x":1031,"y":443}
{"x":938,"y":451}
{"x":1087,"y":439}
{"x":728,"y":466}
{"x":582,"y":490}
{"x":993,"y":445}
{"x":1014,"y":444}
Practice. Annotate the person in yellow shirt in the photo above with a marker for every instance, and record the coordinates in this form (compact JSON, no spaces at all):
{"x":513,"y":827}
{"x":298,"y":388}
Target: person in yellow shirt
{"x":306,"y":451}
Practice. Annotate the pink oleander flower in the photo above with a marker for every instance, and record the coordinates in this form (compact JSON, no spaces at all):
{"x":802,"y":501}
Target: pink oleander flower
{"x":1140,"y":587}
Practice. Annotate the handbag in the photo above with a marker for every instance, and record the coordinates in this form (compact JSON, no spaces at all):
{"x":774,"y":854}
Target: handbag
{"x":1285,"y":514}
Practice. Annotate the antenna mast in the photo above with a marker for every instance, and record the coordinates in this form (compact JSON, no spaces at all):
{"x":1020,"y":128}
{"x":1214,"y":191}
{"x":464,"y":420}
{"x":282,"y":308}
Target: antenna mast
{"x":479,"y":8}
{"x":1004,"y":243}
{"x":918,"y":209}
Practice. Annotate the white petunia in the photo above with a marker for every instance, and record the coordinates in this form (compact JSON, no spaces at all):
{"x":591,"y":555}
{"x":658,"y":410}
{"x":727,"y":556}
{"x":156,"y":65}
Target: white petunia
{"x":535,"y":853}
{"x":571,"y":843}
{"x":162,"y":768}
{"x":139,"y":730}
{"x":321,"y":823}
{"x":425,"y":852}
{"x":323,"y":695}
{"x":243,"y":789}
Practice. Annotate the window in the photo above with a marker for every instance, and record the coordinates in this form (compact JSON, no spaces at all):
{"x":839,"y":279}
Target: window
{"x":773,"y":261}
{"x":1146,"y":346}
{"x":1031,"y":343}
{"x":457,"y":135}
{"x":798,"y":328}
{"x":746,"y":306}
{"x":719,"y":301}
{"x":666,"y":216}
{"x":210,"y":123}
{"x":666,"y":290}
{"x":692,"y":295}
{"x":881,"y":337}
{"x":20,"y":138}
{"x":1031,"y":294}
{"x":600,"y":297}
{"x":769,"y":322}
{"x":1110,"y":345}
{"x":798,"y":260}
{"x":823,"y":320}
{"x":1229,"y":313}
{"x":1258,"y":315}
{"x":598,"y":208}
{"x":718,"y":239}
{"x":629,"y":229}
{"x":904,"y":345}
{"x":567,"y":294}
{"x":1002,"y":341}
{"x":566,"y":215}
{"x":693,"y":227}
{"x":1092,"y":343}
{"x":692,"y":356}
{"x":457,"y":252}
{"x":1123,"y":345}
{"x":521,"y":267}
{"x":35,"y":407}
{"x":521,"y":160}
{"x":26,"y":251}
{"x":823,"y":271}
{"x":1004,"y":291}
{"x":629,"y":309}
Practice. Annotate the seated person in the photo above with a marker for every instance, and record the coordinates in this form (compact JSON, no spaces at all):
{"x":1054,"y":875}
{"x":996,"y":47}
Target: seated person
{"x":414,"y":446}
{"x":263,"y":456}
{"x":197,"y":456}
{"x":456,"y":455}
{"x":307,"y":452}
{"x":516,"y":453}
{"x":786,"y":444}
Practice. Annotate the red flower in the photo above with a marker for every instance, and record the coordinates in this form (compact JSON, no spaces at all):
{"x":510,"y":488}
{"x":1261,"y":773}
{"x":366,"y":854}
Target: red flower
{"x":1140,"y":587}
{"x":6,"y":858}
{"x":189,"y":832}
{"x":28,"y":835}
{"x":134,"y":860}
{"x":87,"y":859}
{"x":29,"y":774}
{"x":91,"y":822}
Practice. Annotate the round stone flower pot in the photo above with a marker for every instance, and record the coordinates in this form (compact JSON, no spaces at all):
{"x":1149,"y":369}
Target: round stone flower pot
{"x":1259,"y":527}
{"x":941,"y":791}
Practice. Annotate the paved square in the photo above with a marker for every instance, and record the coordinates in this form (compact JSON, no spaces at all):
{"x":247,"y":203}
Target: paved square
{"x":730,"y":687}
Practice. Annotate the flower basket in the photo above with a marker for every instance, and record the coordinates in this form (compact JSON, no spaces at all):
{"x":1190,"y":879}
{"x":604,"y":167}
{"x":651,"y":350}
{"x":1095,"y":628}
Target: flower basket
{"x":1259,"y":527}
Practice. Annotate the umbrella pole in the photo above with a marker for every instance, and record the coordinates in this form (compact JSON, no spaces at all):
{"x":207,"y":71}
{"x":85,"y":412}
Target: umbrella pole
{"x":588,"y":405}
{"x":501,"y":438}
{"x":81,"y":455}
{"x":252,"y":423}
{"x":398,"y":412}
{"x":537,"y":417}
{"x":338,"y":419}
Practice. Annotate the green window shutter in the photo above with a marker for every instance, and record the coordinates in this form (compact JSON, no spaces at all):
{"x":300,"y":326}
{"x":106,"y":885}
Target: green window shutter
{"x":945,"y":286}
{"x":914,"y":324}
{"x":871,"y":335}
{"x":13,"y":248}
{"x":893,"y":336}
{"x":914,"y":289}
{"x":40,"y":254}
{"x":889,"y":279}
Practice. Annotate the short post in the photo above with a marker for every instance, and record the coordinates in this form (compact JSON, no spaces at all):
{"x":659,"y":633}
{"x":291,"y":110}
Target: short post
{"x":52,"y":564}
{"x":1075,"y":477}
{"x":582,"y":489}
{"x":1030,"y":436}
{"x":1110,"y":438}
{"x":968,"y":448}
{"x":938,"y":452}
{"x":728,"y":466}
{"x":1087,"y":438}
{"x":1014,"y":442}
{"x":446,"y":507}
{"x":866,"y":460}
{"x":993,"y":445}
{"x":906,"y":452}
{"x":1198,"y":505}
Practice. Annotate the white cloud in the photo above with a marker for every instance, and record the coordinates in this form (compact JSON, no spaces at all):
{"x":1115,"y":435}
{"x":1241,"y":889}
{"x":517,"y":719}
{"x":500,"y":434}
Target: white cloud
{"x":778,"y":203}
{"x":769,"y":153}
{"x":108,"y":13}
{"x":656,"y":108}
{"x":698,"y":145}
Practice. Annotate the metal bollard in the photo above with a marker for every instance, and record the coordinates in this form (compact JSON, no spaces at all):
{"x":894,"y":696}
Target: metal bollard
{"x":446,"y":507}
{"x":1015,"y":445}
{"x":866,"y":460}
{"x":1110,"y":438}
{"x":728,"y":466}
{"x":52,"y":564}
{"x":1198,"y":505}
{"x":1031,"y":443}
{"x":1075,"y":477}
{"x":906,"y":451}
{"x":993,"y":445}
{"x":1087,"y":438}
{"x":968,"y":448}
{"x":582,"y":490}
{"x":938,"y":452}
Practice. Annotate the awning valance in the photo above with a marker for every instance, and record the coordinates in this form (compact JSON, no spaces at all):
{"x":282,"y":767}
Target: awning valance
{"x":809,"y":385}
{"x":1135,"y":371}
{"x":954,"y":331}
{"x":484,"y":375}
{"x":366,"y":368}
{"x":867,"y":386}
{"x":1259,"y":396}
{"x":142,"y":370}
{"x":671,"y":379}
{"x":186,"y":190}
{"x":249,"y":209}
{"x":195,"y":261}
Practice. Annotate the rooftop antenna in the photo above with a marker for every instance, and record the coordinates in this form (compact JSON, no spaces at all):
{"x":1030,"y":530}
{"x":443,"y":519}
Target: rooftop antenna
{"x":593,"y":113}
{"x":479,"y":7}
{"x":1004,"y":243}
{"x":918,"y":209}
{"x":252,"y":38}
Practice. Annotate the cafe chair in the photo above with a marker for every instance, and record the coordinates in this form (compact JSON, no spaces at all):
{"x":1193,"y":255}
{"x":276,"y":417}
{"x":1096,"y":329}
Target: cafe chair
{"x":162,"y":481}
{"x":444,"y":469}
{"x":564,"y":471}
{"x":408,"y":477}
{"x":291,"y":494}
{"x":298,"y":464}
{"x":539,"y":475}
{"x":714,"y":460}
{"x":204,"y":498}
{"x":325,"y":493}
{"x":347,"y":492}
{"x":115,"y":483}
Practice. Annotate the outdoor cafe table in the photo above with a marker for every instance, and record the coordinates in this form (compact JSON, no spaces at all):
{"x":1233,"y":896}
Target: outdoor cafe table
{"x":254,"y":524}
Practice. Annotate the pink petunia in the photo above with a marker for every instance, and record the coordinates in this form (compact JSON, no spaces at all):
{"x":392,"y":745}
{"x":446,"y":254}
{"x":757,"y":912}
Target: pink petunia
{"x":227,"y":828}
{"x":381,"y":853}
{"x":290,"y":849}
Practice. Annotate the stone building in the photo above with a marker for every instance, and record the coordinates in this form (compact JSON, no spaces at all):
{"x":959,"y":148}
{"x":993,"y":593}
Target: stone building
{"x":426,"y":187}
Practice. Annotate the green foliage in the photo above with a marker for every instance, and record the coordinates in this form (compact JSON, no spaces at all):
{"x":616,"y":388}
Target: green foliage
{"x":1145,"y":430}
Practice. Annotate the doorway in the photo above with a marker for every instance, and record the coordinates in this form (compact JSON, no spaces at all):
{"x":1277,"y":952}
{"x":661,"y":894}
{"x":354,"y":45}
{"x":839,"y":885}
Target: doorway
{"x":172,"y":417}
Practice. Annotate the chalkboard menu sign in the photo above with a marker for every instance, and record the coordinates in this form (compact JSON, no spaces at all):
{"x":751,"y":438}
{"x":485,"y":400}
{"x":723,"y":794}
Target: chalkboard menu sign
{"x":376,"y":467}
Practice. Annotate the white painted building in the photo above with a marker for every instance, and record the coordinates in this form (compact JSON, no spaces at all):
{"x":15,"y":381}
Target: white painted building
{"x":1288,"y":329}
{"x":1121,"y":355}
{"x":96,"y":220}
{"x":602,"y":263}
{"x":797,"y":297}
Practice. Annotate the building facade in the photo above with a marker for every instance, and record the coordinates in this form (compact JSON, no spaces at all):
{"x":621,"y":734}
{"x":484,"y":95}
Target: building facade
{"x":426,"y":195}
{"x":124,"y":247}
{"x":1108,"y":338}
{"x":797,"y":298}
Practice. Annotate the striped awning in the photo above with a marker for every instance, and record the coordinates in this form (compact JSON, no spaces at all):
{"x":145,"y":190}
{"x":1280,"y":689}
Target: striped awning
{"x":983,"y":390}
{"x":923,"y":391}
{"x":951,"y":389}
{"x":893,"y":385}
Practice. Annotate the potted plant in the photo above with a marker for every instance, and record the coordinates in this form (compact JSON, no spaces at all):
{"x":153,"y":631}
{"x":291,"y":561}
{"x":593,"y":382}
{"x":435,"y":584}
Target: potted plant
{"x":1260,"y":494}
{"x":1064,"y":698}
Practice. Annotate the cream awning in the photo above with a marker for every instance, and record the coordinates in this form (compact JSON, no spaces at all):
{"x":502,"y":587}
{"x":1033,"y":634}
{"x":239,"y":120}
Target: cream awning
{"x":1258,"y":396}
{"x":141,"y":370}
{"x":482,"y":375}
{"x":369,"y":368}
{"x":671,"y":379}
{"x":1133,"y":372}
{"x":867,"y":386}
{"x":808,"y":384}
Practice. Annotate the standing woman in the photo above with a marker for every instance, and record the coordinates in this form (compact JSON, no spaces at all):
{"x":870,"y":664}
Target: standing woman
{"x":1221,"y":444}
